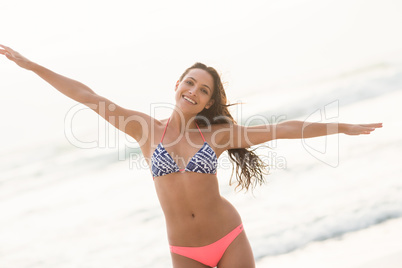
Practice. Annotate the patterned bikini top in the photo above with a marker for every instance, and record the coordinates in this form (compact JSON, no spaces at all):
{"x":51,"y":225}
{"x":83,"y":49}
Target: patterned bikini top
{"x":204,"y":161}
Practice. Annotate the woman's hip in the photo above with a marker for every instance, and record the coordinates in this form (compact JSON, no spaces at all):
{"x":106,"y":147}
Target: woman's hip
{"x":204,"y":226}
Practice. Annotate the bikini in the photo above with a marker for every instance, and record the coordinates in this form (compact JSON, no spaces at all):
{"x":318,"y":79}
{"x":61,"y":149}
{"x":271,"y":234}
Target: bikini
{"x":204,"y":161}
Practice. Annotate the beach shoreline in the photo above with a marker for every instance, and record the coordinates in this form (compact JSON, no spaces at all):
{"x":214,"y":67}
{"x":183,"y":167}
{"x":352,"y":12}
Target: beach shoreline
{"x":377,"y":246}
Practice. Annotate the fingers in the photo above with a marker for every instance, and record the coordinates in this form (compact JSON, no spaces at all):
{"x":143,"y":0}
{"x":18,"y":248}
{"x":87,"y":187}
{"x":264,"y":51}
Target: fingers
{"x":364,"y":129}
{"x":375,"y":125}
{"x":8,"y":52}
{"x":368,"y":128}
{"x":8,"y":49}
{"x":5,"y":53}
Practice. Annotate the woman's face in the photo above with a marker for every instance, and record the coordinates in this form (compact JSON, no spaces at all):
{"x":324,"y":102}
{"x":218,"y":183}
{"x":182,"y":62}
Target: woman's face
{"x":194,"y":92}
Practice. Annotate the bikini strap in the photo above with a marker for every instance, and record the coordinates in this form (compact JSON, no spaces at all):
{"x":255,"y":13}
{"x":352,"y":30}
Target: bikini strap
{"x":200,"y":131}
{"x":163,"y":135}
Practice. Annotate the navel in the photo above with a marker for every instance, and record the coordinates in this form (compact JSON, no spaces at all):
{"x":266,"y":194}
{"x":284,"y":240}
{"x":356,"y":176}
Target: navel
{"x":193,"y":215}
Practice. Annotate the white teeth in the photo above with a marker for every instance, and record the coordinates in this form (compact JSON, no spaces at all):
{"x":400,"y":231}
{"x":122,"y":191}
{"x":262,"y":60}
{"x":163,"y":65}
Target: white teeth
{"x":187,"y":99}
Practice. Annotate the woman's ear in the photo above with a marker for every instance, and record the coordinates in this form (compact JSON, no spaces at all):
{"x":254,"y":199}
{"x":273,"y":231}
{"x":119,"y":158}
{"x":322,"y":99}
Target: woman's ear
{"x":209,"y":104}
{"x":177,"y":85}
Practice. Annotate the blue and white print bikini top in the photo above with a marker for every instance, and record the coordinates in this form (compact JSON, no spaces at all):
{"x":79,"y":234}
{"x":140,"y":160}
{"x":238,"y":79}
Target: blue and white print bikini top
{"x":204,"y":161}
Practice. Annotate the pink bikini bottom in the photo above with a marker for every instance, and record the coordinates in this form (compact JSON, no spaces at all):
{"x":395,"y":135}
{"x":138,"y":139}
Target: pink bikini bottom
{"x":210,"y":254}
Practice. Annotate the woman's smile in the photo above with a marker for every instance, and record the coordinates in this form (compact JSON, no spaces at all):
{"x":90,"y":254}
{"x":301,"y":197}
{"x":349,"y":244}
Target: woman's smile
{"x":189,"y":100}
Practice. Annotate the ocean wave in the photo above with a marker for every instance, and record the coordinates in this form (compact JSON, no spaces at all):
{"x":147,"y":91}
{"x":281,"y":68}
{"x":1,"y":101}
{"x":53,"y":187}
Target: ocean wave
{"x":347,"y":88}
{"x":359,"y":215}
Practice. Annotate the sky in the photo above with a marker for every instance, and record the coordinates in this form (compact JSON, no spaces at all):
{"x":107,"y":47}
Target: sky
{"x":133,"y":52}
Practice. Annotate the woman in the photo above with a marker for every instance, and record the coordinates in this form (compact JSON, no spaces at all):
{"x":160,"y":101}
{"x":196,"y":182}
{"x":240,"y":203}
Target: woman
{"x":204,"y":229}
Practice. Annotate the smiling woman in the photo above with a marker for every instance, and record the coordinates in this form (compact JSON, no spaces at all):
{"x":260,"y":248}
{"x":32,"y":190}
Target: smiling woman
{"x":204,"y":229}
{"x":194,"y":92}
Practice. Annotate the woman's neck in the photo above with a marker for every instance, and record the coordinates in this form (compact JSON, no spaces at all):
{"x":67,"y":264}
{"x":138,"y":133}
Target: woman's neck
{"x":182,"y":122}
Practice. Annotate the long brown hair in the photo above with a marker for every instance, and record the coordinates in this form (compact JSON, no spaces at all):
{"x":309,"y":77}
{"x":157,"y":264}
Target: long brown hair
{"x":250,"y":169}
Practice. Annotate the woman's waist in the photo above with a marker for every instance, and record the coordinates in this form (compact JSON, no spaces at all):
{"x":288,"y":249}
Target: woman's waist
{"x":196,"y":227}
{"x":190,"y":211}
{"x":185,"y":197}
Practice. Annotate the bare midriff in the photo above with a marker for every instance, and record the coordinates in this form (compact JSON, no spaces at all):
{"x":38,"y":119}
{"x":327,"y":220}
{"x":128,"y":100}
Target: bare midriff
{"x":195,"y":212}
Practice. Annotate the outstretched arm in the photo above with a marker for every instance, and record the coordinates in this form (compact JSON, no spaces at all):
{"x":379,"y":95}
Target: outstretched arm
{"x":237,"y":136}
{"x":300,"y":129}
{"x":131,"y":122}
{"x":69,"y":87}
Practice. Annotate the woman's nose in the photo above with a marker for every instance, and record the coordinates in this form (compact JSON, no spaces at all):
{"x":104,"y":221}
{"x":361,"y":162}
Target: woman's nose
{"x":192,"y":91}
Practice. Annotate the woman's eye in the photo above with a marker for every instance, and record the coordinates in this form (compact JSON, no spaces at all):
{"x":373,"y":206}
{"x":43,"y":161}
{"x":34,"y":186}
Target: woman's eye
{"x":202,"y":90}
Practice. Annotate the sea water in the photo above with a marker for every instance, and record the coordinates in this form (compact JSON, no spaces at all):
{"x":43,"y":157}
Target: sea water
{"x":63,"y":206}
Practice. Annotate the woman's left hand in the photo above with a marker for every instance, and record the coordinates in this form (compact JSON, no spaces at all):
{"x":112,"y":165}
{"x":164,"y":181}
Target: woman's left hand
{"x":358,"y":129}
{"x":15,"y":57}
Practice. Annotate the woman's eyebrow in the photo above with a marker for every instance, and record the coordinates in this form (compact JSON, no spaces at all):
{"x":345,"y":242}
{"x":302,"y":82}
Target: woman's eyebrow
{"x":196,"y":81}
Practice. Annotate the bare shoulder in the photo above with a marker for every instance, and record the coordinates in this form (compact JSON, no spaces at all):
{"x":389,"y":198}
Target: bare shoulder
{"x":220,"y":126}
{"x":219,"y":135}
{"x":217,"y":129}
{"x":232,"y":136}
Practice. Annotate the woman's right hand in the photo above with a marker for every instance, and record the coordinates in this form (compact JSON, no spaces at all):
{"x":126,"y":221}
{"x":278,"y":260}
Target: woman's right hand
{"x":358,"y":129}
{"x":15,"y":57}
